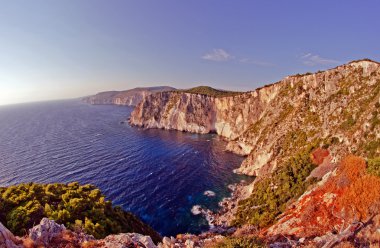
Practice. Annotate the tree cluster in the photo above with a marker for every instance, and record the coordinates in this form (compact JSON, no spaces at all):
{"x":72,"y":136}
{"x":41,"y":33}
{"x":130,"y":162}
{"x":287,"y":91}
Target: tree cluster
{"x":78,"y":207}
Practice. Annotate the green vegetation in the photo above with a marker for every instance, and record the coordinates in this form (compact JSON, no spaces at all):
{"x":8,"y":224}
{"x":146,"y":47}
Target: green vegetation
{"x":295,"y":138}
{"x":330,"y":141}
{"x":349,"y":122}
{"x":375,"y":121}
{"x":208,"y":91}
{"x":373,"y":166}
{"x":371,"y":148}
{"x":173,"y":100}
{"x":77,"y":207}
{"x":303,"y":74}
{"x":272,"y":194}
{"x":287,"y":110}
{"x":239,"y":242}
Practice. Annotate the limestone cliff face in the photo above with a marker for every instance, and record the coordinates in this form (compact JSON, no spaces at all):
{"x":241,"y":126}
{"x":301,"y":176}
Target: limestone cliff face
{"x":173,"y":110}
{"x":128,"y":97}
{"x":338,"y":107}
{"x":226,"y":116}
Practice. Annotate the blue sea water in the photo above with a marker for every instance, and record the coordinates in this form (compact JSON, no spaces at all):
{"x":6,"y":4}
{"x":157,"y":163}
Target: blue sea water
{"x":156,"y":174}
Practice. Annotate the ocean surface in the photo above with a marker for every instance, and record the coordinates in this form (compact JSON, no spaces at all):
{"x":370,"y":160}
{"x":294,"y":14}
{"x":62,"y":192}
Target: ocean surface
{"x":158,"y":175}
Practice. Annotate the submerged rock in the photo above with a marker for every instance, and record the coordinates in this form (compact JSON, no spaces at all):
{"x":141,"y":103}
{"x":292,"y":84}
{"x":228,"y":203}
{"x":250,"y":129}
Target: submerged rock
{"x":196,"y":210}
{"x":209,"y":193}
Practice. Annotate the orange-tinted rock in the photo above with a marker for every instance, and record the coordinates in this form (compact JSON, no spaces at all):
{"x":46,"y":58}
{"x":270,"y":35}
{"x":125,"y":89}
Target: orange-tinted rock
{"x":318,"y":155}
{"x":343,"y":197}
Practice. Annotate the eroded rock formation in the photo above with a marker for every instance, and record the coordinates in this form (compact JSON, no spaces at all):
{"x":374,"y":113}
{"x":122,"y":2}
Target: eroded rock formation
{"x":338,"y":107}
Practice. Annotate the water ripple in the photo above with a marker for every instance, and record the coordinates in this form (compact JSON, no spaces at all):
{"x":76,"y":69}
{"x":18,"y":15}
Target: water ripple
{"x":158,"y":175}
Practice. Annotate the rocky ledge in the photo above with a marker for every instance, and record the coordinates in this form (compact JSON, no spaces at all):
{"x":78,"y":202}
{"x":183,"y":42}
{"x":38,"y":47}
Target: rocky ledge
{"x":50,"y":234}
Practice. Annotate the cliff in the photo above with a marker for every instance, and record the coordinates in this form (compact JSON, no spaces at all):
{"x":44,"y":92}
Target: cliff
{"x":337,"y":108}
{"x":128,"y":97}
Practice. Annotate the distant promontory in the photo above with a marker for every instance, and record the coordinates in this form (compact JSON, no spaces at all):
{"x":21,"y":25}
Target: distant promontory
{"x":130,"y":97}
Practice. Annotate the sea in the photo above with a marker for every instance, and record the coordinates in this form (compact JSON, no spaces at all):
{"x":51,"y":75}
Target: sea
{"x":158,"y":175}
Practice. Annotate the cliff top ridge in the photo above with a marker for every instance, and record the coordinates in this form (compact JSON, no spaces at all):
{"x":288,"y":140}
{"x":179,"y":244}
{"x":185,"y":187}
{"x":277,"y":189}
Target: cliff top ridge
{"x":209,"y":91}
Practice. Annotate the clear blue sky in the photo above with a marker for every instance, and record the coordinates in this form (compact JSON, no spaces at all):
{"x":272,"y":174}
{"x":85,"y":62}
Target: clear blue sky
{"x":72,"y":48}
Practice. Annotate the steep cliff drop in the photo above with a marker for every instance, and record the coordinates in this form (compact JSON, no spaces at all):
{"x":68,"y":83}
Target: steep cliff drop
{"x":294,"y":133}
{"x":337,"y":106}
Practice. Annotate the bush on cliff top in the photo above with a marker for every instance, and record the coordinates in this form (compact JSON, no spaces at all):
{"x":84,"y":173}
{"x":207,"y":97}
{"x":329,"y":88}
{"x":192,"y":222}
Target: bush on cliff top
{"x":238,"y":242}
{"x":271,"y":195}
{"x":77,"y":207}
{"x":206,"y":90}
{"x":373,"y":167}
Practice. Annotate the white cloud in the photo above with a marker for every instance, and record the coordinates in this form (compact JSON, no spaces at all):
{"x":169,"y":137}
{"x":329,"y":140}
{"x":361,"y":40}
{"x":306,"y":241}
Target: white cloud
{"x":218,"y":55}
{"x":314,"y":59}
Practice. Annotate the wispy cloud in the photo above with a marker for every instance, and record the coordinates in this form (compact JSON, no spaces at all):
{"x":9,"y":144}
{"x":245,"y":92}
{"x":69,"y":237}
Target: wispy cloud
{"x":255,"y":62}
{"x":218,"y":55}
{"x":314,"y":59}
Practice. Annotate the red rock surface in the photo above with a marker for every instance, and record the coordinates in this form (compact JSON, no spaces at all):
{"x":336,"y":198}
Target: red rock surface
{"x":343,"y":197}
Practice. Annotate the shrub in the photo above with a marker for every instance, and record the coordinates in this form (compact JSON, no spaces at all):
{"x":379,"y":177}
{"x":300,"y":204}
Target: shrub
{"x":271,"y":195}
{"x":239,"y":242}
{"x":373,"y":166}
{"x":371,"y":148}
{"x":77,"y":207}
{"x":206,"y":90}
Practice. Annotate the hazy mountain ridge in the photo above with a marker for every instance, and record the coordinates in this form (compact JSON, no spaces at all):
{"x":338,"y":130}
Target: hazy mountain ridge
{"x":127,"y":97}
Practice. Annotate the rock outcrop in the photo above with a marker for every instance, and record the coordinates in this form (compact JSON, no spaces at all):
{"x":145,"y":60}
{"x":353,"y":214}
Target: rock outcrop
{"x":50,"y":234}
{"x":338,"y":108}
{"x":46,"y":231}
{"x":127,"y":240}
{"x":128,"y":97}
{"x":347,"y":200}
{"x":7,"y":239}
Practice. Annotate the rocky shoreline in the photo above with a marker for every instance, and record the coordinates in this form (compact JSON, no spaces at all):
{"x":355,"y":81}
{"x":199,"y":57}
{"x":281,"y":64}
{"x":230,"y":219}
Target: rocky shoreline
{"x":229,"y":205}
{"x":220,"y":221}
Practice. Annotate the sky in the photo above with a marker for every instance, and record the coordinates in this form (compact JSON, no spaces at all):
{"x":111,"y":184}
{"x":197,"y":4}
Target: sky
{"x":73,"y":48}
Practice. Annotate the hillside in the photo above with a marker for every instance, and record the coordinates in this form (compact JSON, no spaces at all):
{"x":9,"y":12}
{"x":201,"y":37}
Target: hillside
{"x":338,"y":107}
{"x":78,"y":207}
{"x":296,"y":135}
{"x":128,"y":97}
{"x":312,"y":141}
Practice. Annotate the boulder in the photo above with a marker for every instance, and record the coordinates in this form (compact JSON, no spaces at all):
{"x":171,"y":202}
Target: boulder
{"x":7,"y":239}
{"x":46,"y":231}
{"x":125,"y":240}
